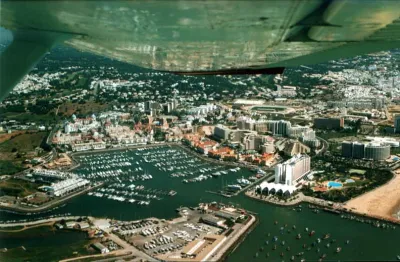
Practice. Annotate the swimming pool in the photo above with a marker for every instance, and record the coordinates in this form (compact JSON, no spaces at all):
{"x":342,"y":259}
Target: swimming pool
{"x":334,"y":184}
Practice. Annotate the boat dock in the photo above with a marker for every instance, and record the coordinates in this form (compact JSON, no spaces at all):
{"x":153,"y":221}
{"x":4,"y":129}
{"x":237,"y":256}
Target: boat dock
{"x":224,"y":194}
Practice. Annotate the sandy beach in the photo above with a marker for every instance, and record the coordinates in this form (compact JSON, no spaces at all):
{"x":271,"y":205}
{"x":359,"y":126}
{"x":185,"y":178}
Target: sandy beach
{"x":383,"y":201}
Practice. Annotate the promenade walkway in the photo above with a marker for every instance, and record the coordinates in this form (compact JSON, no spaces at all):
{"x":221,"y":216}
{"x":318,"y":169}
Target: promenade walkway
{"x":232,"y":240}
{"x":51,"y":204}
{"x":316,"y":201}
{"x":42,"y":221}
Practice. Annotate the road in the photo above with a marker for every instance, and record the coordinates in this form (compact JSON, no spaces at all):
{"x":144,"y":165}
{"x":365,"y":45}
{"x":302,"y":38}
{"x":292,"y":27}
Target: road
{"x":325,"y":146}
{"x":51,"y":203}
{"x":126,"y":250}
{"x":42,"y":221}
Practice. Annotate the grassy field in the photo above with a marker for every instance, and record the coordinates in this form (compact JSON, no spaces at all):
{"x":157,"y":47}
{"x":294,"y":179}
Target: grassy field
{"x":29,"y":117}
{"x":8,"y":167}
{"x":18,"y":148}
{"x":23,"y":143}
{"x":6,"y":136}
{"x":67,"y":109}
{"x":17,"y":187}
{"x":357,"y":171}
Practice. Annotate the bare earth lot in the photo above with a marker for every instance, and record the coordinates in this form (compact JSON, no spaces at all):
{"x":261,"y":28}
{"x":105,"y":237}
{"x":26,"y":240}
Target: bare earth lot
{"x":383,"y":201}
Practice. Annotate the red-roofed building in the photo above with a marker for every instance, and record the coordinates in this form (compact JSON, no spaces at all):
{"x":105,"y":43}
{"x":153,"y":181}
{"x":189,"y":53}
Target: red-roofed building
{"x":222,"y":152}
{"x":205,"y":146}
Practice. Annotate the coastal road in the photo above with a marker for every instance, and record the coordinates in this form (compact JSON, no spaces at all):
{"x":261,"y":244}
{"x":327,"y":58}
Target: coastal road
{"x":126,"y":251}
{"x":51,"y":203}
{"x":42,"y":221}
{"x":231,"y":240}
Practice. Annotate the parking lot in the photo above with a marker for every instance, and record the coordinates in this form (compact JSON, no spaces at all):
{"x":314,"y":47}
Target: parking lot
{"x":159,"y":237}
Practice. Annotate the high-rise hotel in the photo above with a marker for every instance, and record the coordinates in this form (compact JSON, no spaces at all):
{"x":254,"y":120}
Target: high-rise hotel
{"x":292,"y":170}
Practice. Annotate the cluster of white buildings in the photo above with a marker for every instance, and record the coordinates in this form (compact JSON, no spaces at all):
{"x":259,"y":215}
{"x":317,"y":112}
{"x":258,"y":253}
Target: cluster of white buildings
{"x":67,"y":186}
{"x":53,"y":174}
{"x":280,"y":128}
{"x":89,"y":145}
{"x":389,"y":141}
{"x":81,"y":124}
{"x":66,"y":182}
{"x":83,"y":134}
{"x":66,"y":139}
{"x":125,"y":135}
{"x":285,"y":91}
{"x":34,"y":82}
{"x":203,"y":109}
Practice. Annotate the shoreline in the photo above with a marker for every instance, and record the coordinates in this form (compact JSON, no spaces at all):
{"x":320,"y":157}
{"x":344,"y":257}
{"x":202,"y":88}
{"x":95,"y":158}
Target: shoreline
{"x":395,"y":210}
{"x":76,"y":164}
{"x":253,"y":224}
{"x":232,"y":242}
{"x":377,"y":201}
{"x":56,"y":203}
{"x":319,"y":202}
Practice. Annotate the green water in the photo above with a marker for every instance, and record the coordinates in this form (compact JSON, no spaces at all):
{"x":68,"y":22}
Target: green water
{"x":366,"y":241}
{"x":42,"y":244}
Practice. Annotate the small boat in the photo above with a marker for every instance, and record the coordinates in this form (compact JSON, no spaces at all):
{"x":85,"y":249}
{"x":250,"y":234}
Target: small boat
{"x":274,"y":248}
{"x":398,"y":257}
{"x":172,"y":193}
{"x":328,"y":245}
{"x":327,"y":236}
{"x":338,"y":249}
{"x":300,"y":254}
{"x":283,"y":243}
{"x":312,"y":233}
{"x":294,"y":227}
{"x":298,"y":236}
{"x":267,"y":255}
{"x":318,"y":240}
{"x":276,"y":222}
{"x":347,"y":241}
{"x":306,"y":229}
{"x":292,"y":258}
{"x":288,"y":248}
{"x":256,"y":255}
{"x":267,"y":242}
{"x":304,"y":245}
{"x":318,"y":250}
{"x":323,"y":256}
{"x":275,"y":238}
{"x":282,"y":254}
{"x":261,"y":248}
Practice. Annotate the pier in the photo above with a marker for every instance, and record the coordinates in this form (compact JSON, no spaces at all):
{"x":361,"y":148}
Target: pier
{"x":270,"y":178}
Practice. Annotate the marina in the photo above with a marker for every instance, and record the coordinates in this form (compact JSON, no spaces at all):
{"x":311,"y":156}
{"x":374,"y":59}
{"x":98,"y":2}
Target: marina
{"x":125,"y":173}
{"x":297,"y":218}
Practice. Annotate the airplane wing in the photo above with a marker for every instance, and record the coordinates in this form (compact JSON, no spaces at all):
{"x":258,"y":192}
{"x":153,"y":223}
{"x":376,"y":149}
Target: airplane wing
{"x":199,"y":37}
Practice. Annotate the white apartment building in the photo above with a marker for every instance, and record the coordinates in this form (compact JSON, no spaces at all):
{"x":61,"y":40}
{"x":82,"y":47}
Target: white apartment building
{"x":292,"y":170}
